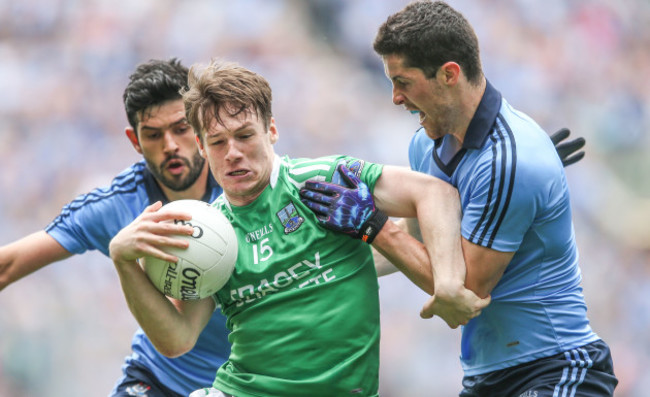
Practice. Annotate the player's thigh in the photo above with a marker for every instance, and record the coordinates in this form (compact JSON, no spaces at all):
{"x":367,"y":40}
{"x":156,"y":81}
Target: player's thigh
{"x":137,"y":381}
{"x":583,"y":372}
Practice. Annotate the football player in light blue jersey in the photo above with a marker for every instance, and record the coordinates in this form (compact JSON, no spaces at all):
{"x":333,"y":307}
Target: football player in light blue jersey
{"x":518,"y":239}
{"x":172,"y":169}
{"x":534,"y":339}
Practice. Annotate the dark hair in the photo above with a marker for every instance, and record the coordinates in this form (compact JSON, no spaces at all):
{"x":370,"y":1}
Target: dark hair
{"x":428,"y":34}
{"x":153,"y":83}
{"x":225,"y":86}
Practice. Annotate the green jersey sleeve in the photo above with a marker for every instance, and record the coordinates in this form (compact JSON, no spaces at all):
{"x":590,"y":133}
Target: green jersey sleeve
{"x":325,"y":169}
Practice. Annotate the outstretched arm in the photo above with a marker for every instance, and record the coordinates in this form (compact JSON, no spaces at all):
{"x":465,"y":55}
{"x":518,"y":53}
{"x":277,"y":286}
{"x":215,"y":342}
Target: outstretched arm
{"x":173,"y":326}
{"x":404,"y":193}
{"x":394,"y":249}
{"x":383,"y":266}
{"x":27,"y":255}
{"x":436,"y":205}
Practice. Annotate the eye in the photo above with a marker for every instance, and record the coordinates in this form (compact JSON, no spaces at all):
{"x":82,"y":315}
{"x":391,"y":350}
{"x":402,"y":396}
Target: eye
{"x":182,"y":128}
{"x":401,"y":83}
{"x":152,"y":136}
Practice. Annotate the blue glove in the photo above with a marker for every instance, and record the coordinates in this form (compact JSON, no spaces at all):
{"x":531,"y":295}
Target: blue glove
{"x":347,"y":209}
{"x":566,"y":150}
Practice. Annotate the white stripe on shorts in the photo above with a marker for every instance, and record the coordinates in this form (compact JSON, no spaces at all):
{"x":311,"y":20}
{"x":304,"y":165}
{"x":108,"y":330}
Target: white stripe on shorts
{"x":574,"y":374}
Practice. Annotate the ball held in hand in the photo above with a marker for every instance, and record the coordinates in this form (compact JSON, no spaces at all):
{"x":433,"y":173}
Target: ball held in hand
{"x":206,"y":265}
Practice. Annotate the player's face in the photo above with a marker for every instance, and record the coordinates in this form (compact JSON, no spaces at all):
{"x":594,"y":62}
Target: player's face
{"x":417,"y":93}
{"x":240,"y":154}
{"x":167,"y":143}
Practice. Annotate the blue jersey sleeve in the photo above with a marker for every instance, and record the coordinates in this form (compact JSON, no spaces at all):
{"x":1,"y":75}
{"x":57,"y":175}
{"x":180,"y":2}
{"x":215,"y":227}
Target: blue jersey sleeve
{"x":420,"y":144}
{"x":87,"y":224}
{"x":91,"y":220}
{"x":514,"y":189}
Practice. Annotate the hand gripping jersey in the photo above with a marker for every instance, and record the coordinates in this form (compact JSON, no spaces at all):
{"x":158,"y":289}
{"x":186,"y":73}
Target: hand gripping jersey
{"x":302,"y":303}
{"x":514,"y":197}
{"x":90,"y":222}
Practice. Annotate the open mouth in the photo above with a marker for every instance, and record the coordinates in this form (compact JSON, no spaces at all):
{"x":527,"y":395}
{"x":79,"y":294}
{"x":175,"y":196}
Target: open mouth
{"x":237,"y":173}
{"x":420,"y":113}
{"x":175,"y":166}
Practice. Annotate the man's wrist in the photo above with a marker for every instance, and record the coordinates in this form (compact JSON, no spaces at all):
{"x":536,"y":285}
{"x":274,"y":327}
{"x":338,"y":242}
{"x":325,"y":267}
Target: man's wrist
{"x":372,"y":226}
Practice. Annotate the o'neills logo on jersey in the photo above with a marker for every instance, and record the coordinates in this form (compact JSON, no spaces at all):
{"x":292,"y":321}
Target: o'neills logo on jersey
{"x":290,"y":218}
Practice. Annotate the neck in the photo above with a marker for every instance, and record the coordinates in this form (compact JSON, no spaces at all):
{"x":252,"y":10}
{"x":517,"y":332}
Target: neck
{"x":241,"y":201}
{"x":470,"y":98}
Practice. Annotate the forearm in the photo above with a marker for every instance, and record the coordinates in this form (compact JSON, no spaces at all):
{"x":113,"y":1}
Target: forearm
{"x":406,"y":253}
{"x":436,"y":206}
{"x":27,"y":255}
{"x":439,"y":221}
{"x":383,"y":267}
{"x":156,"y":314}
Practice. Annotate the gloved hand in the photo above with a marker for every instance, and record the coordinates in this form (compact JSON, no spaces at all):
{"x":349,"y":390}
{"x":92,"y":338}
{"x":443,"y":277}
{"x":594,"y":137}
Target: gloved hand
{"x":347,"y":209}
{"x":566,"y":150}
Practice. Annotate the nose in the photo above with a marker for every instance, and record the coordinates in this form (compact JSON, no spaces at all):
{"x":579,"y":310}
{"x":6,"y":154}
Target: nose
{"x":398,"y":98}
{"x":233,"y":153}
{"x":171,"y":146}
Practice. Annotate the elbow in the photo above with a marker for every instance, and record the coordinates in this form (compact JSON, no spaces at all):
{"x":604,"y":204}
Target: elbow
{"x":172,"y":353}
{"x":480,"y":292}
{"x":482,"y":289}
{"x":449,"y":191}
{"x":446,"y":196}
{"x":175,"y":349}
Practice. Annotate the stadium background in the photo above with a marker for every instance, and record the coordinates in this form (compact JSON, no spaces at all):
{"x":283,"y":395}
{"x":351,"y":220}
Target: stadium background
{"x":64,"y":64}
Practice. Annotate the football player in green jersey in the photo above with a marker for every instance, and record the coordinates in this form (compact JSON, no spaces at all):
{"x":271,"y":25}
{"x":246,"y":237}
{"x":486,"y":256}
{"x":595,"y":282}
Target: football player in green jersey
{"x":302,"y":303}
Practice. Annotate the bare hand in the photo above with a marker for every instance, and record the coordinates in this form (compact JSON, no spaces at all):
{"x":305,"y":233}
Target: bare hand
{"x":149,"y":234}
{"x":456,"y":305}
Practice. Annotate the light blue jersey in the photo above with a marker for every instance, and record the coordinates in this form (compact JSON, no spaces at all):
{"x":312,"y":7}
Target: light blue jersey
{"x":90,"y":222}
{"x":514,"y":197}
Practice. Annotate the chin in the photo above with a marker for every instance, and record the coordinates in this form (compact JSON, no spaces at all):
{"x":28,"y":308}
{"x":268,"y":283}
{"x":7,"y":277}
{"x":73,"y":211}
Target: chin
{"x":433,"y":134}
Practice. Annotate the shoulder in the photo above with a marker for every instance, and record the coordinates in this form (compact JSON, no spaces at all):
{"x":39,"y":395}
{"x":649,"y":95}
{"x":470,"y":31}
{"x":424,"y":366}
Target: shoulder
{"x":126,"y":191}
{"x":517,"y":158}
{"x":420,"y":142}
{"x":420,"y":148}
{"x":302,"y":169}
{"x":126,"y":181}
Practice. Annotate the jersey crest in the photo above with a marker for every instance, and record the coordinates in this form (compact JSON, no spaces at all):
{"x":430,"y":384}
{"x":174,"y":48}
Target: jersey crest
{"x":290,"y":218}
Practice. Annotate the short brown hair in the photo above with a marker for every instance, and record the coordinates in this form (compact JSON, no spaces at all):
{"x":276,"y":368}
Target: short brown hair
{"x":225,"y":86}
{"x":428,"y":34}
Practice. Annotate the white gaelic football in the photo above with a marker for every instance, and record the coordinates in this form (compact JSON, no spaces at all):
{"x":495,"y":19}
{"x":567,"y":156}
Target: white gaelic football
{"x":206,"y":265}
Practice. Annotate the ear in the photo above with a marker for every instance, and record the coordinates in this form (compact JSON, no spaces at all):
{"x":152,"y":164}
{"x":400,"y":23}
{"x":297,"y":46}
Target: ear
{"x":133,"y":137}
{"x":273,"y":132}
{"x":199,"y":143}
{"x":450,"y":73}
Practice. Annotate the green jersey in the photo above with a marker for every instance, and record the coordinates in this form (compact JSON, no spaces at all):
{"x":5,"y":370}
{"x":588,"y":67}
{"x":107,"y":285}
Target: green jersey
{"x":303,"y":302}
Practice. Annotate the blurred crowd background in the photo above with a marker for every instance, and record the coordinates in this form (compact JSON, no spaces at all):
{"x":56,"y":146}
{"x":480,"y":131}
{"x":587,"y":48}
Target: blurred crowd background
{"x":582,"y":64}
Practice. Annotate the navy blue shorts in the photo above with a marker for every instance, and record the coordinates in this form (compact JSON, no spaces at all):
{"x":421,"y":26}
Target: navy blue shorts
{"x":587,"y":371}
{"x":138,"y":381}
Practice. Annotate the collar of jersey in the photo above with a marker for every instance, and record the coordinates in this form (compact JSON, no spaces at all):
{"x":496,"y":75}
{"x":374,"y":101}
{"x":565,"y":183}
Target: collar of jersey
{"x":483,"y":119}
